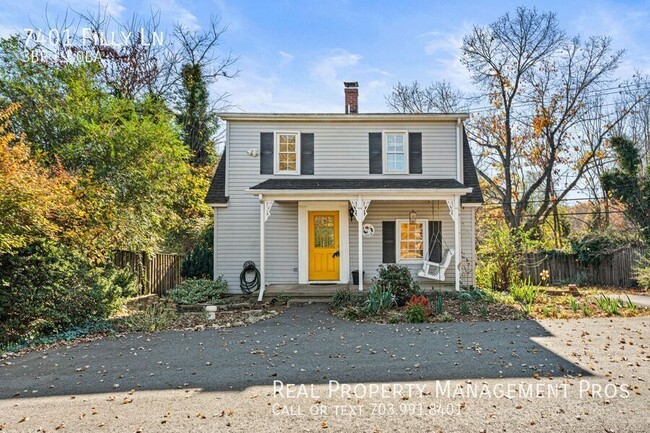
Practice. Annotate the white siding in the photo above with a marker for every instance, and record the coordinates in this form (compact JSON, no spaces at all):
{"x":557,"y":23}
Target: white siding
{"x":340,"y":150}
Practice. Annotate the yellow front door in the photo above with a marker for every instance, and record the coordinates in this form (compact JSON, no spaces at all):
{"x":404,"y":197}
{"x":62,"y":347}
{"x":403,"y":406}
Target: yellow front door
{"x":324,"y":255}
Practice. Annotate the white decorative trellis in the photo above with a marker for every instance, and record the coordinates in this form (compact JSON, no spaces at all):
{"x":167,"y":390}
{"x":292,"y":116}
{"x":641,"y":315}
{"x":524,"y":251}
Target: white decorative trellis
{"x":268,"y":204}
{"x":360,"y":208}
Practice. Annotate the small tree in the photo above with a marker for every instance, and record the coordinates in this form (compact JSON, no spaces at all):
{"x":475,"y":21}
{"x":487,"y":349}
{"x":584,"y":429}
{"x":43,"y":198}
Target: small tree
{"x":501,"y":254}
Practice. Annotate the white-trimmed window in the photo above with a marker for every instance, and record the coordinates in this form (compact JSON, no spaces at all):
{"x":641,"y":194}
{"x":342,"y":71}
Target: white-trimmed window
{"x":412,"y":241}
{"x":287,"y":153}
{"x":395,"y":152}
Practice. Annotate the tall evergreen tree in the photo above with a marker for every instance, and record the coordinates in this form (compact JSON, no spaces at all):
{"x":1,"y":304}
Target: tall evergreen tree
{"x":197,"y":120}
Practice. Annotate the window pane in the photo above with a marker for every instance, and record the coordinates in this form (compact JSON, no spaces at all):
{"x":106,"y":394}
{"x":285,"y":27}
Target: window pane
{"x":291,"y":143}
{"x":411,"y":241}
{"x":324,"y":231}
{"x":399,"y":161}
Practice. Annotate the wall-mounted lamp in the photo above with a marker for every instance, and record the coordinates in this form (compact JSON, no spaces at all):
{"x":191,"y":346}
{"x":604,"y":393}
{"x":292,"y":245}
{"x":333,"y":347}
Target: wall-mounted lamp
{"x":253,"y":152}
{"x":413,"y":217}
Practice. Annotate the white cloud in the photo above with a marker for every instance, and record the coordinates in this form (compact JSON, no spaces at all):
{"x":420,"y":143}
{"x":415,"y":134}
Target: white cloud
{"x":445,"y":48}
{"x":177,"y":13}
{"x":328,"y":68}
{"x":285,"y":58}
{"x":114,"y":8}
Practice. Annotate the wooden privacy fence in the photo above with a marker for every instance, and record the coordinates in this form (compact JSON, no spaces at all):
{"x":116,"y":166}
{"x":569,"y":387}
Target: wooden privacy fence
{"x":615,"y":269}
{"x":156,"y":273}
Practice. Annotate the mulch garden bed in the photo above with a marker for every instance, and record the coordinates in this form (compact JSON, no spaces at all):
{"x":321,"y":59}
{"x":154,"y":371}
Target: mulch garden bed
{"x":232,"y":311}
{"x":556,"y":305}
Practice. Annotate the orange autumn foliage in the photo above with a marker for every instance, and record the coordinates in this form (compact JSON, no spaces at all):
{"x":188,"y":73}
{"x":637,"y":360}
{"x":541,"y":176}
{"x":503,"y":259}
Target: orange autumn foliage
{"x":35,"y":201}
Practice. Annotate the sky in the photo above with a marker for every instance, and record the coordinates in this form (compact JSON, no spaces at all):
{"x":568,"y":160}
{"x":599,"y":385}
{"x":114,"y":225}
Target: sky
{"x":295,"y":55}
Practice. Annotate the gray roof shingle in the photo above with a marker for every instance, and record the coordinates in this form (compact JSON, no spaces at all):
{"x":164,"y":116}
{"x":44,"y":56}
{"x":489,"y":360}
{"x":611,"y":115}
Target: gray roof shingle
{"x":217,"y":191}
{"x":470,"y":178}
{"x":335,"y":184}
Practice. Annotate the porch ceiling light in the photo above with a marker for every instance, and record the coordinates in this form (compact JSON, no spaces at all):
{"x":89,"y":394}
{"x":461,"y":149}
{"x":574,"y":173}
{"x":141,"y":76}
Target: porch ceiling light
{"x":413,"y":217}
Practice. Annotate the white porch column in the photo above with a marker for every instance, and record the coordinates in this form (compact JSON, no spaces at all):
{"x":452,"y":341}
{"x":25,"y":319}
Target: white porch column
{"x":457,"y":242}
{"x":360,"y":208}
{"x":265,"y":212}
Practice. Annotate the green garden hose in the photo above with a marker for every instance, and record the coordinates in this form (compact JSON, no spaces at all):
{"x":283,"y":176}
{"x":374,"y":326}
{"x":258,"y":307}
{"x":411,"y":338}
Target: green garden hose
{"x":253,"y":285}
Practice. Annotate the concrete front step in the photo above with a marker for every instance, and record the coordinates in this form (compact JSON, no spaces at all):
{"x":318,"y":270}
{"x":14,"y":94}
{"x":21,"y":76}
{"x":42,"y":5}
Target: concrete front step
{"x":306,"y":300}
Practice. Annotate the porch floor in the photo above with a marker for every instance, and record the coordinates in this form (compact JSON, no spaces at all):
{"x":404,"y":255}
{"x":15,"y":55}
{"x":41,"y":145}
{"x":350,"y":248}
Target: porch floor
{"x":306,"y":290}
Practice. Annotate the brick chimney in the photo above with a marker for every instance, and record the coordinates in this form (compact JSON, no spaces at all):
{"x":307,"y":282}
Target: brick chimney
{"x":351,"y":97}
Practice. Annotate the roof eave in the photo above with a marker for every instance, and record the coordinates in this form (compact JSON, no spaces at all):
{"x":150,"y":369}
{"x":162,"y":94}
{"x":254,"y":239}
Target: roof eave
{"x":357,"y":192}
{"x":328,"y":117}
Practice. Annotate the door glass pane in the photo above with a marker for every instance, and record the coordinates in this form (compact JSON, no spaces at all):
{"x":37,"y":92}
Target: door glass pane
{"x":324,"y":231}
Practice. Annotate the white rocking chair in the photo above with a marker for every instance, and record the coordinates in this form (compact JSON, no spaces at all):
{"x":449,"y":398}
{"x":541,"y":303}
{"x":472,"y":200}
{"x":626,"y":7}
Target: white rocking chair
{"x":436,"y":271}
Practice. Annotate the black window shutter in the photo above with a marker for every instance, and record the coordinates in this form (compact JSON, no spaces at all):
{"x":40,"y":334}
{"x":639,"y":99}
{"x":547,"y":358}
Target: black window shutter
{"x":415,"y":152}
{"x":435,"y":241}
{"x":266,"y":153}
{"x":388,"y":241}
{"x":307,"y":153}
{"x":374,"y":151}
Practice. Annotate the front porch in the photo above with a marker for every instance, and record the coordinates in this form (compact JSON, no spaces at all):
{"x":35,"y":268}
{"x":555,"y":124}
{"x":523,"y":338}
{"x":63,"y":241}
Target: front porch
{"x":354,"y":214}
{"x":306,"y":290}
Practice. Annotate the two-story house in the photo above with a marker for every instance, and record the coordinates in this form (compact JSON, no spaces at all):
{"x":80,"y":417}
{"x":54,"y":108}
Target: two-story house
{"x":313,"y":198}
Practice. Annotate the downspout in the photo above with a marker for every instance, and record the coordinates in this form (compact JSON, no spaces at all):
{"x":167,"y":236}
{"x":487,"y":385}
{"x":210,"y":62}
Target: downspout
{"x":459,"y":150}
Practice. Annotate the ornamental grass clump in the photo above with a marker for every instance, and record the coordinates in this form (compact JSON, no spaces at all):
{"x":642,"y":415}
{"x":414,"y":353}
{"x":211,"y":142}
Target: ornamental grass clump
{"x":379,"y":300}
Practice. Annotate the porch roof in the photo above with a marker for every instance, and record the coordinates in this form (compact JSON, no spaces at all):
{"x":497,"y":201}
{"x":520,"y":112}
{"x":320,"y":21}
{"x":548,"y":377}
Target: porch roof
{"x":359,"y":186}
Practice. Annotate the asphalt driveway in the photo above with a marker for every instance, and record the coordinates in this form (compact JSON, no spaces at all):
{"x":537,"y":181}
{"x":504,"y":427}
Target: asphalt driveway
{"x":176,"y":380}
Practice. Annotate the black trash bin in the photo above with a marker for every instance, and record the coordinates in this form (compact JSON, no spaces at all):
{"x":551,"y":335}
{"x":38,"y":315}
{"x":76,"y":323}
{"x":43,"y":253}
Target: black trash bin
{"x":355,"y":277}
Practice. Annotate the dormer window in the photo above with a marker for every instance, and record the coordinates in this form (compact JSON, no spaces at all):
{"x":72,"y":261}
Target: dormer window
{"x":287,"y":149}
{"x":396,"y":152}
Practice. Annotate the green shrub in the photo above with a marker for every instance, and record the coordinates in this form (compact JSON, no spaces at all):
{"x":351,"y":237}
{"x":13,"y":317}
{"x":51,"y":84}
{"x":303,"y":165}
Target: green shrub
{"x":198,"y":291}
{"x":379,"y":300}
{"x":399,"y":280}
{"x":416,"y":313}
{"x":47,"y":288}
{"x":126,"y":280}
{"x":156,"y":318}
{"x":342,"y":298}
{"x":500,"y":255}
{"x":198,"y":263}
{"x":525,"y":293}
